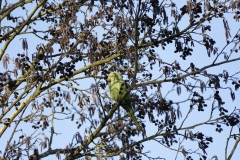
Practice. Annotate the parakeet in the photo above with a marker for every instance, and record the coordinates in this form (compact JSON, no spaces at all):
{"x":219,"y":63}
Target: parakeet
{"x":117,"y":88}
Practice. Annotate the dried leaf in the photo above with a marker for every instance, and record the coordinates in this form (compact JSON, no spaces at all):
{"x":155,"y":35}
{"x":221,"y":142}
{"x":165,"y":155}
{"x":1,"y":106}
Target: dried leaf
{"x":26,"y":44}
{"x":15,"y":72}
{"x":207,"y":5}
{"x":94,"y":98}
{"x":144,"y":87}
{"x":190,"y":135}
{"x":227,"y":29}
{"x":158,"y":87}
{"x":82,"y":117}
{"x":179,"y":113}
{"x":202,"y":86}
{"x":185,"y":135}
{"x":172,"y":114}
{"x":23,"y":44}
{"x":233,"y":96}
{"x":5,"y":61}
{"x":68,"y":97}
{"x":43,"y":145}
{"x":178,"y":90}
{"x":226,"y":75}
{"x":58,"y":155}
{"x":184,"y":152}
{"x":34,"y":106}
{"x":46,"y":140}
{"x":28,"y":141}
{"x":72,"y":118}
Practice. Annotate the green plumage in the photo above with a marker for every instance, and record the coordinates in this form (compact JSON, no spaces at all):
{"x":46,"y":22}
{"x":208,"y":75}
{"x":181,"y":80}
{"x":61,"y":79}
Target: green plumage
{"x":117,"y":88}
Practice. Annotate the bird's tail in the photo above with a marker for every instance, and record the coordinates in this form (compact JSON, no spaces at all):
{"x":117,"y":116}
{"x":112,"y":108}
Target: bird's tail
{"x":131,"y":114}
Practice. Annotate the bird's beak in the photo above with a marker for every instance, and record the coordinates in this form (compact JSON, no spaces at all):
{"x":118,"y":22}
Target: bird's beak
{"x":109,"y":80}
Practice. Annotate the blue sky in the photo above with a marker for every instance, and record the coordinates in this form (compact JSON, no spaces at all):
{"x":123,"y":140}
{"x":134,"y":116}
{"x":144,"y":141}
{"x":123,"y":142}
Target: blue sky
{"x":67,"y":129}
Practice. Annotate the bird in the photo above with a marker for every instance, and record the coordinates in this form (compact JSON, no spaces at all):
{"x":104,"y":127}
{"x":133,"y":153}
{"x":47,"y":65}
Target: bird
{"x":117,"y":88}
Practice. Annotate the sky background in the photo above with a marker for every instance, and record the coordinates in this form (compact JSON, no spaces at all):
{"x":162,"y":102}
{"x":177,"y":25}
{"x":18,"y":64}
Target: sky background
{"x":67,"y":129}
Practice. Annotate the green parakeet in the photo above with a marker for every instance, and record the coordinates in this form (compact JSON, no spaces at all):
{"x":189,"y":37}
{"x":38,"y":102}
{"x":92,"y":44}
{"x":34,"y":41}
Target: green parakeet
{"x":117,"y":88}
